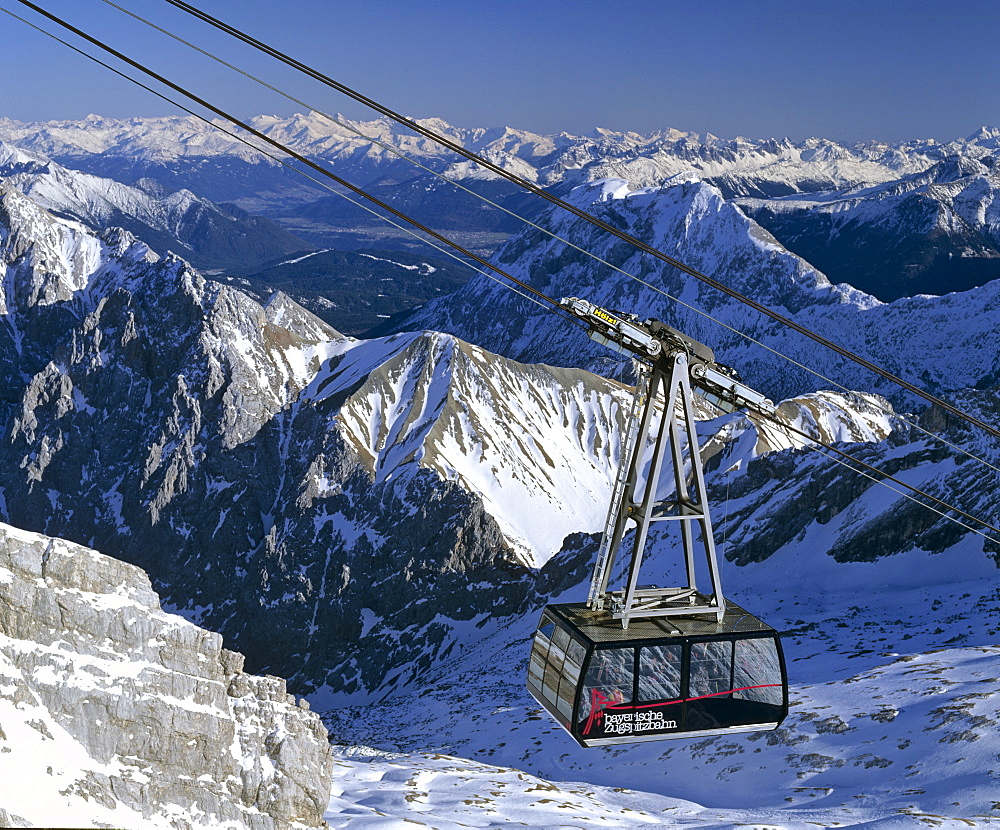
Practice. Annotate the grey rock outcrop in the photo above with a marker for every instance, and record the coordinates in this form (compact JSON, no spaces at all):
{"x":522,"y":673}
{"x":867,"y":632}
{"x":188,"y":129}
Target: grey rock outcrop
{"x":171,"y":729}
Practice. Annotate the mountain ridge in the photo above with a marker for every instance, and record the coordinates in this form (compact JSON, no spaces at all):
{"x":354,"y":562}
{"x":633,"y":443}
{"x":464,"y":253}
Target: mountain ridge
{"x":211,"y":235}
{"x":692,"y":221}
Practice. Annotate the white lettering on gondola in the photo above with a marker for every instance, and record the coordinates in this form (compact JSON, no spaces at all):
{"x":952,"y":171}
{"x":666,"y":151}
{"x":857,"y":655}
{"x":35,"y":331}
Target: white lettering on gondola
{"x":625,"y":723}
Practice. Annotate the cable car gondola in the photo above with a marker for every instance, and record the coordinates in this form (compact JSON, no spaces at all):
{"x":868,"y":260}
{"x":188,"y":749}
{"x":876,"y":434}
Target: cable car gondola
{"x":654,"y":680}
{"x":645,"y":663}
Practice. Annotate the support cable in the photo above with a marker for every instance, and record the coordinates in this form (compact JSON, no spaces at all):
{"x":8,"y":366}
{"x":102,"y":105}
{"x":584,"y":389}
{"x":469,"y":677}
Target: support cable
{"x":552,"y":307}
{"x":578,"y":212}
{"x":401,"y":155}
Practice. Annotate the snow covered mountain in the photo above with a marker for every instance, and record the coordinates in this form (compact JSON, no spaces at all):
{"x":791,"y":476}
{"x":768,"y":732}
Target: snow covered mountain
{"x":944,"y":343}
{"x":891,"y":219}
{"x":739,"y":166}
{"x":347,"y":490}
{"x":209,"y":235}
{"x":889,"y":621}
{"x":158,"y":416}
{"x":932,"y":232}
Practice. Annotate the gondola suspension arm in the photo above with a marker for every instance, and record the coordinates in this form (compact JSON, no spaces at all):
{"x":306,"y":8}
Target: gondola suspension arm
{"x":670,"y":368}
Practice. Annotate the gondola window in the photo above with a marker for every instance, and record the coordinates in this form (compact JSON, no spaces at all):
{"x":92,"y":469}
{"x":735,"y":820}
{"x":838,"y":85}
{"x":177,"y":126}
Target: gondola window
{"x":757,"y":671}
{"x":660,"y":672}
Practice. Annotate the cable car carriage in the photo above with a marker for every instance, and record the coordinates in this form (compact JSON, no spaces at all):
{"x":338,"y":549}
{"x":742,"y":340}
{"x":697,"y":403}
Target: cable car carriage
{"x":644,"y":663}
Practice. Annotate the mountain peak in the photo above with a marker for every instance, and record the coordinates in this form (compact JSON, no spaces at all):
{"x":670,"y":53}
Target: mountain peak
{"x":988,"y":137}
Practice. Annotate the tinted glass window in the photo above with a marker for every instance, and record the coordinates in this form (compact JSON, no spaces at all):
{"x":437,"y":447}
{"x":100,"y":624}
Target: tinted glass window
{"x":574,"y":660}
{"x":711,"y":669}
{"x":757,"y":671}
{"x":539,"y":651}
{"x":660,"y":672}
{"x":575,"y":653}
{"x":553,"y":668}
{"x":609,"y":679}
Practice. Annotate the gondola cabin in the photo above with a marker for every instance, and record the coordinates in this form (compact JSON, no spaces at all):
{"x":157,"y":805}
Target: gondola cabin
{"x":669,"y":677}
{"x":641,"y":662}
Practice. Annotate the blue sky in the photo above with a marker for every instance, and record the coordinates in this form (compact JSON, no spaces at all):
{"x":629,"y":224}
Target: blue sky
{"x":846,"y":70}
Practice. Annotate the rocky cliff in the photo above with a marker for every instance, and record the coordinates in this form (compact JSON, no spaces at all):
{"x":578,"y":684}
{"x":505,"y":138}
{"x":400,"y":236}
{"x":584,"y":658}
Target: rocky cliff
{"x":115,"y":712}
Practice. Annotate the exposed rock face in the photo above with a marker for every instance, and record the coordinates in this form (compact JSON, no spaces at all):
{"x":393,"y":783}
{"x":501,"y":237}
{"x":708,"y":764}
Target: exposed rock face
{"x":140,"y":716}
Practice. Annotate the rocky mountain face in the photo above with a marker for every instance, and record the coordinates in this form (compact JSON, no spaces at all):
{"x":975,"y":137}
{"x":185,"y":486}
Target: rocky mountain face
{"x":209,"y":235}
{"x":933,"y":232}
{"x":116,"y":711}
{"x":347,"y":513}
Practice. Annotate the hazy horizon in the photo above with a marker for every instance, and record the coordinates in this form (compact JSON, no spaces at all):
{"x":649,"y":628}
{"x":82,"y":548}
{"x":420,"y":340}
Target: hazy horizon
{"x":851,"y":71}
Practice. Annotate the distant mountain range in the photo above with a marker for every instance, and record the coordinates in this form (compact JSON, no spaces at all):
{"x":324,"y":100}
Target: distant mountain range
{"x":892,"y":219}
{"x":212,"y":236}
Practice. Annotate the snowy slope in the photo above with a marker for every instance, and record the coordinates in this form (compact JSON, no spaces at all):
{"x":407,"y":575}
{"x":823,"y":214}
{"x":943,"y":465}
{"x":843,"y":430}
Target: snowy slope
{"x":889,"y":619}
{"x":892,"y":665}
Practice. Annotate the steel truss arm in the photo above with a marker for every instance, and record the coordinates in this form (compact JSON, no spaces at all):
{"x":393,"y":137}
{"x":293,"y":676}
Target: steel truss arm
{"x":662,"y":416}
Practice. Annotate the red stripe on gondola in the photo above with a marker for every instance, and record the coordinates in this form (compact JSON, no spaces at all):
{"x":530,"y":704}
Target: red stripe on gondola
{"x":700,"y":697}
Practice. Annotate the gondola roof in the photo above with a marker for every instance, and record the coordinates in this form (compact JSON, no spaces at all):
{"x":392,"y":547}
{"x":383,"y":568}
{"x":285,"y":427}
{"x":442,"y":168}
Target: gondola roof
{"x":598,"y":627}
